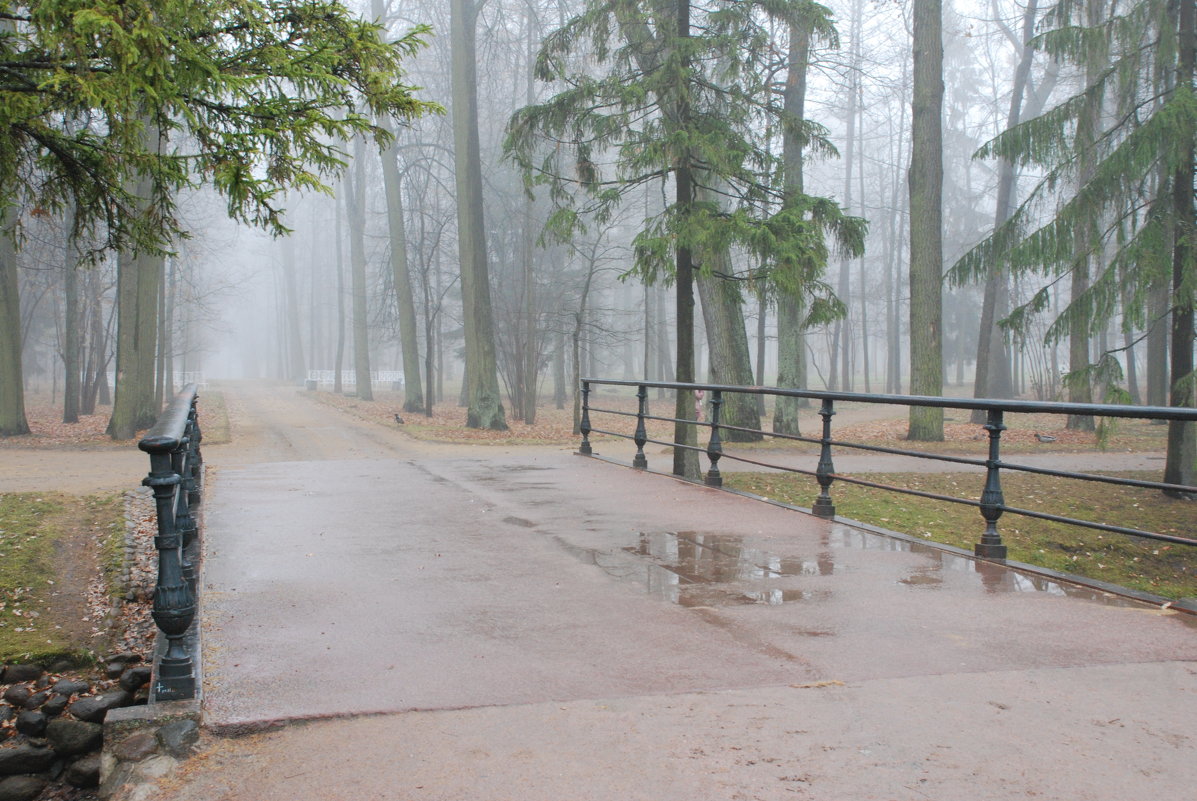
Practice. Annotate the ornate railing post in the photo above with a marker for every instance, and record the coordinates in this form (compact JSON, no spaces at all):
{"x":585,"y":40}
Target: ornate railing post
{"x":195,"y":459}
{"x":174,"y":601}
{"x":172,"y":444}
{"x":992,"y":500}
{"x":584,"y":448}
{"x":823,"y":507}
{"x":639,"y":461}
{"x":184,"y":523}
{"x":715,"y":446}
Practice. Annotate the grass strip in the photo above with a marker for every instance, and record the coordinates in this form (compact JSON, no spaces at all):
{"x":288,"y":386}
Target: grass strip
{"x":1145,"y":565}
{"x":45,"y":544}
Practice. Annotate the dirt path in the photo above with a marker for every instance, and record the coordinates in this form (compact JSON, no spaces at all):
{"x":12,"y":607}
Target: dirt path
{"x":270,"y":423}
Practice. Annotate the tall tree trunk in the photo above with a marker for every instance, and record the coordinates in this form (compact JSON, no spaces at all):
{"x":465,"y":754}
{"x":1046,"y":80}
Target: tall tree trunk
{"x":339,"y":359}
{"x":559,"y":371}
{"x":484,"y":404}
{"x":357,"y":272}
{"x":791,"y":338}
{"x":71,"y":346}
{"x":1159,"y":320}
{"x":1080,"y":384}
{"x":1181,"y":460}
{"x":926,"y":230}
{"x":139,"y":277}
{"x":296,"y":363}
{"x":723,"y":312}
{"x":413,"y":391}
{"x":762,"y":304}
{"x":685,"y":461}
{"x":992,"y":379}
{"x":12,"y":384}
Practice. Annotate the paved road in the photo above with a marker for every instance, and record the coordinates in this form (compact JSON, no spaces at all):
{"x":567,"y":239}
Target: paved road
{"x":501,"y":623}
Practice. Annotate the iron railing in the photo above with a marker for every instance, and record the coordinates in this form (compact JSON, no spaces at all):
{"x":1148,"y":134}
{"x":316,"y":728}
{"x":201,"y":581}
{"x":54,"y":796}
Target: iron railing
{"x":992,"y":503}
{"x":175,"y":478}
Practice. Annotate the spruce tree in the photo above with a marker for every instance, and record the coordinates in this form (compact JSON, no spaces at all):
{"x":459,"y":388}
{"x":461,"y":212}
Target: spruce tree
{"x":1117,"y":193}
{"x":681,"y":99}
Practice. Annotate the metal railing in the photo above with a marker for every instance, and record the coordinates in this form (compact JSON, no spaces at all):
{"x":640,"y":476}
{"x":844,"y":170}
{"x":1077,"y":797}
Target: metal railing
{"x":992,"y":503}
{"x":175,"y":478}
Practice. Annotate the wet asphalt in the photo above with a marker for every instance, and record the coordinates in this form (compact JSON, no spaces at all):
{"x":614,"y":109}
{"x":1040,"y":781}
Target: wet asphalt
{"x":436,"y":623}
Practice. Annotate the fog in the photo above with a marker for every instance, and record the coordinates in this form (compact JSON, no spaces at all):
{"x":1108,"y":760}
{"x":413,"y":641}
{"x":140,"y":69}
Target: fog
{"x":243,"y":304}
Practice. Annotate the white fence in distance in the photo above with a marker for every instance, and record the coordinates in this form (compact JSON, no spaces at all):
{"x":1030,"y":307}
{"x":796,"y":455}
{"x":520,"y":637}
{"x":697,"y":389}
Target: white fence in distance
{"x":349,"y":377}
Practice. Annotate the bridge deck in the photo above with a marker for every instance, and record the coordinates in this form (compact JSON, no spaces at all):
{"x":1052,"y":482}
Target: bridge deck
{"x":537,"y":625}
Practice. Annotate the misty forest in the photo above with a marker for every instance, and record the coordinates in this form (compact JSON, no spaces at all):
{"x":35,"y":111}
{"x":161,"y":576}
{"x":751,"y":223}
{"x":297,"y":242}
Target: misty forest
{"x":479,"y":202}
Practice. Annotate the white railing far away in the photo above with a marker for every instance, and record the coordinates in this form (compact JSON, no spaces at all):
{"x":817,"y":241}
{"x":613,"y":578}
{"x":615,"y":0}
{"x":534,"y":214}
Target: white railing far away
{"x":349,"y":377}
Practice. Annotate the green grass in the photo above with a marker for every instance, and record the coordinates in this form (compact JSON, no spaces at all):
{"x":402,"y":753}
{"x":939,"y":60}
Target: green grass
{"x":1147,"y":565}
{"x":38,"y":532}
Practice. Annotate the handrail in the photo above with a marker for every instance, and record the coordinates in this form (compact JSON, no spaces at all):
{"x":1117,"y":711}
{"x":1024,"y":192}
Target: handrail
{"x":992,"y":503}
{"x":173,"y":445}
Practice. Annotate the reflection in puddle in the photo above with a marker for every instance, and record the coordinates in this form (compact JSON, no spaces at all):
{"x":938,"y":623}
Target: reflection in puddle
{"x":702,"y":569}
{"x":696,"y":570}
{"x":941,"y":565}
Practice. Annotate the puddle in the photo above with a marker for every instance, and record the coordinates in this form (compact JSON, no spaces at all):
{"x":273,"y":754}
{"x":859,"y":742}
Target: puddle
{"x":705,"y":569}
{"x":696,"y":569}
{"x":941,"y":566}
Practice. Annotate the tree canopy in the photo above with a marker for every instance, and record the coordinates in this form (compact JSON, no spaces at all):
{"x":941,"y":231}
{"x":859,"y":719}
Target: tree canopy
{"x":699,"y":100}
{"x":251,"y":96}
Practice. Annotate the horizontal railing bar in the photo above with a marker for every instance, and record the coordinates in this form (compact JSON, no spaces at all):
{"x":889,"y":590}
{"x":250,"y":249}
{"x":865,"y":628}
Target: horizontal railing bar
{"x":171,"y":426}
{"x":1026,"y":407}
{"x":915,"y":454}
{"x":1134,"y":532}
{"x":1129,"y":482}
{"x":594,"y":409}
{"x":784,"y":468}
{"x":921,"y":454}
{"x":610,"y":433}
{"x":906,"y":491}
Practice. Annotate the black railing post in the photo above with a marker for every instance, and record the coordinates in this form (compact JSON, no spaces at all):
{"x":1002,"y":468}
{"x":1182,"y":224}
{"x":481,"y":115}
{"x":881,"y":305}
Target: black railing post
{"x":195,"y":459}
{"x":184,"y":522}
{"x":584,"y":448}
{"x":992,"y":500}
{"x":823,"y":507}
{"x":174,"y":601}
{"x":639,"y":461}
{"x":715,"y":447}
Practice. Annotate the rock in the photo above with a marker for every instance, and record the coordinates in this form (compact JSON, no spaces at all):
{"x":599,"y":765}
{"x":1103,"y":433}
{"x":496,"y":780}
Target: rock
{"x":135,"y":678}
{"x":62,"y":666}
{"x":15,"y":673}
{"x":37,"y":699}
{"x":136,"y":747}
{"x":113,"y":670}
{"x":32,"y":723}
{"x":71,"y":737}
{"x":17,"y":695}
{"x":21,"y":788}
{"x":24,"y":757}
{"x":6,"y":713}
{"x":54,"y":705}
{"x":178,"y":737}
{"x":66,"y":687}
{"x":124,"y":658}
{"x":84,"y":771}
{"x":94,"y":708}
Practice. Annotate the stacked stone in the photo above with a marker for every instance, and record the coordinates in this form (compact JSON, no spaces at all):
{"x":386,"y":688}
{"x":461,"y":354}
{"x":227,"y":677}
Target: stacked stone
{"x":51,"y":727}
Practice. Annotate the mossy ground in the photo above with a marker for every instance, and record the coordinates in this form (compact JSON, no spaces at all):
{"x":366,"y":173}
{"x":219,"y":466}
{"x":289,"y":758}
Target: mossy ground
{"x":1157,"y":567}
{"x":50,"y":547}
